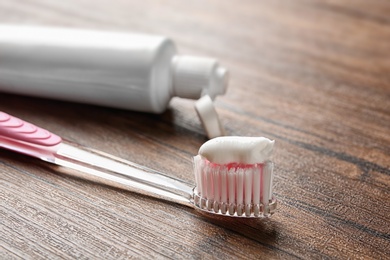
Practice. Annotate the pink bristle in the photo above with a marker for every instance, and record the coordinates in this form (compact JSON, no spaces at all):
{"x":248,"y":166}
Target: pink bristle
{"x":240,"y":189}
{"x":257,"y":173}
{"x":248,"y":190}
{"x":197,"y":174}
{"x":217,"y":188}
{"x":224,"y":192}
{"x":210,"y":189}
{"x":266,"y":185}
{"x":234,"y":189}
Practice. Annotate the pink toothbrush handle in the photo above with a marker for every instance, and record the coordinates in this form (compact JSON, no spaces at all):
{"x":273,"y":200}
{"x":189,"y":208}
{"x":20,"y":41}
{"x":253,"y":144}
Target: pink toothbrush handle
{"x":20,"y":136}
{"x":23,"y":137}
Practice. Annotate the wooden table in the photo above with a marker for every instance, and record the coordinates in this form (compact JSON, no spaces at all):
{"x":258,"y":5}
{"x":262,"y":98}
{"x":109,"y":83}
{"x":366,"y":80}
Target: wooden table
{"x":313,"y":75}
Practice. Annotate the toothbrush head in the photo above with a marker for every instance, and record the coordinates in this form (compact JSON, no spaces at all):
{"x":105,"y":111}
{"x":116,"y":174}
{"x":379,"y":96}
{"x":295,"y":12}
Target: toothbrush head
{"x":234,"y":177}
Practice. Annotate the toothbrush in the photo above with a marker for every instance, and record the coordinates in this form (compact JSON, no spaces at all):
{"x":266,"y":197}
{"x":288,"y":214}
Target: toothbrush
{"x":233,"y":175}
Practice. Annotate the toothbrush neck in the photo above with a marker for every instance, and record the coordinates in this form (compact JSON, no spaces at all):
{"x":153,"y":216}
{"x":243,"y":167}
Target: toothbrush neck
{"x":112,"y":171}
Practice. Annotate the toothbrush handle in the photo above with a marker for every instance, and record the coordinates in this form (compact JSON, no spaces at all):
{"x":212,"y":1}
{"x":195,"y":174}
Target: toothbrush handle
{"x":16,"y":128}
{"x":23,"y":137}
{"x":26,"y":138}
{"x":107,"y":169}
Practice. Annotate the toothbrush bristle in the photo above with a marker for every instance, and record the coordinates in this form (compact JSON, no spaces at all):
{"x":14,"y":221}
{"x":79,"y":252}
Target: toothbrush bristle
{"x":234,"y":189}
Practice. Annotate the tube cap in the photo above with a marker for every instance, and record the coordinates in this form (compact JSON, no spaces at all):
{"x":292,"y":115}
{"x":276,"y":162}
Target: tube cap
{"x":194,"y":77}
{"x":197,"y":77}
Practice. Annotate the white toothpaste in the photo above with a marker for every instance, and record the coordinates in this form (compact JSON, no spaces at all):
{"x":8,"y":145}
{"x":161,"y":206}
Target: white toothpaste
{"x":229,"y":149}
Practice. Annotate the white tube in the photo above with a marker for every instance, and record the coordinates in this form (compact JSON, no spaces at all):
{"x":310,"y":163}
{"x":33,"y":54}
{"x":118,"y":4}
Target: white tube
{"x":129,"y":71}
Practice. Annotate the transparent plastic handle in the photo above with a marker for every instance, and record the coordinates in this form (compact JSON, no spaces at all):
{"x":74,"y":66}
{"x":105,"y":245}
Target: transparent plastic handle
{"x":110,"y":170}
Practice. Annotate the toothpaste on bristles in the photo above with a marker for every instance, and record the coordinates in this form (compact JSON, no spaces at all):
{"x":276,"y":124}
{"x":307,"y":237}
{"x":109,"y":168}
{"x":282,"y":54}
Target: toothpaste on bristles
{"x":234,"y":176}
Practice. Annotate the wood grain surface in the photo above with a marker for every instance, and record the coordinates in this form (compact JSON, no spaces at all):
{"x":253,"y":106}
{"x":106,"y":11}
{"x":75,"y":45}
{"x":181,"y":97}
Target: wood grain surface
{"x":312,"y":74}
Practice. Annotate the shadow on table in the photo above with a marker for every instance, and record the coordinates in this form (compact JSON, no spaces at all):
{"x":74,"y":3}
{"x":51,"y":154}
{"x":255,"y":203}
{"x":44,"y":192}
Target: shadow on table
{"x":69,"y":114}
{"x":264,"y":231}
